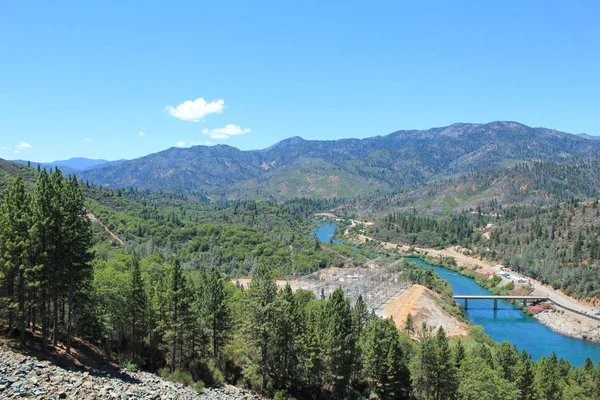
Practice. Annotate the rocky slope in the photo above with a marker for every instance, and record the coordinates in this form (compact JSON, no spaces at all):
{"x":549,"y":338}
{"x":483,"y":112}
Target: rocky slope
{"x":23,"y":376}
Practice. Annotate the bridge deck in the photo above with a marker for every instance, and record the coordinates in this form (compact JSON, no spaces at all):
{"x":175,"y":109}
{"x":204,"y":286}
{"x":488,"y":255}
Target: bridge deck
{"x":493,"y":297}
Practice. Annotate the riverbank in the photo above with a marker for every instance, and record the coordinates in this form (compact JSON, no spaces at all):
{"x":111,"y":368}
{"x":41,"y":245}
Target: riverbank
{"x":570,"y":324}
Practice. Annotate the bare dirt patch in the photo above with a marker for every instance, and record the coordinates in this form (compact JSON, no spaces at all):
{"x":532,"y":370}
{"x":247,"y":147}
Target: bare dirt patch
{"x":421,"y":304}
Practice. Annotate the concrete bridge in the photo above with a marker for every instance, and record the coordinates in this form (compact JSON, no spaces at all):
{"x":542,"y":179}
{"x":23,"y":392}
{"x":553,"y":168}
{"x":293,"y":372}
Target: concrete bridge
{"x":525,"y":299}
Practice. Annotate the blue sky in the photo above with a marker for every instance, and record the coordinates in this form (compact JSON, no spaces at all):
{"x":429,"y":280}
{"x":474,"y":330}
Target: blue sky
{"x":85,"y":78}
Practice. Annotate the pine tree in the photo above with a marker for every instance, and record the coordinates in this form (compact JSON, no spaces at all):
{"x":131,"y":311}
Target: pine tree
{"x":15,"y":249}
{"x":360,"y":319}
{"x":287,"y":336}
{"x":506,"y":357}
{"x":383,"y":359}
{"x":446,"y":383}
{"x":138,"y":305}
{"x":77,"y":241}
{"x":57,"y":268}
{"x":43,"y":245}
{"x":397,"y":382}
{"x":424,"y":364}
{"x":262,"y":294}
{"x":524,"y":376}
{"x":375,"y":349}
{"x":339,"y":346}
{"x":458,"y":354}
{"x":218,"y":314}
{"x":547,"y":378}
{"x":409,"y":325}
{"x":176,"y":312}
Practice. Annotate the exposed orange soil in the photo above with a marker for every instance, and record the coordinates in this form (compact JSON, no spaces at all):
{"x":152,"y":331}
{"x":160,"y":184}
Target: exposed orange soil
{"x":419,"y":302}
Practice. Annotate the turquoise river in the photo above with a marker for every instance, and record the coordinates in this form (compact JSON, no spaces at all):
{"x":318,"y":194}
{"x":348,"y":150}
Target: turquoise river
{"x":506,"y":323}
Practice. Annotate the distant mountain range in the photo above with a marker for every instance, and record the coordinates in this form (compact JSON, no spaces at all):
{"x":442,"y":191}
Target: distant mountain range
{"x":71,"y":165}
{"x":295,"y":167}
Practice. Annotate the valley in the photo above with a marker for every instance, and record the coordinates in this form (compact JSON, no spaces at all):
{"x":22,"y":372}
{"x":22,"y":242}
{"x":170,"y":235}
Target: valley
{"x":203,"y":264}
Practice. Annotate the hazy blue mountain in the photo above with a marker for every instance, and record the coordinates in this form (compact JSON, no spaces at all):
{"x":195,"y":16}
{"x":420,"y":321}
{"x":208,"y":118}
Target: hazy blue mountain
{"x":71,"y":165}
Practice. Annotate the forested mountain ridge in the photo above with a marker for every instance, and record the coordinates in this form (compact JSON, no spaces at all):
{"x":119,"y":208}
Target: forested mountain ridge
{"x":531,"y":184}
{"x":347,"y":167}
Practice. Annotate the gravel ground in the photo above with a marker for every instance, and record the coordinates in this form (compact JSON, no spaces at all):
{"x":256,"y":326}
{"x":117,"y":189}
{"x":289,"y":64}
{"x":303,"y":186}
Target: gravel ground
{"x":24,"y":376}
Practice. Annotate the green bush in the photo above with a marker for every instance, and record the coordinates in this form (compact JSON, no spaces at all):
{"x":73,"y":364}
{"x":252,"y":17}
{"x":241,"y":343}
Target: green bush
{"x":181,"y":376}
{"x":129,"y":365}
{"x":164,"y":372}
{"x":280,"y":395}
{"x":198,"y":386}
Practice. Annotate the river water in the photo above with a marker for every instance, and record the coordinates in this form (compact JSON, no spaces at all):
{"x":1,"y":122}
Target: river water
{"x":506,"y":323}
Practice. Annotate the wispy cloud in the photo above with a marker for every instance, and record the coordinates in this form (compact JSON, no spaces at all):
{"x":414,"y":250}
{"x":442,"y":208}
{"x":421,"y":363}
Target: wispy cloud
{"x":87,"y":139}
{"x":200,"y":142}
{"x":225,"y":132}
{"x":180,"y":144}
{"x":23,"y":146}
{"x":141,"y":134}
{"x":19,"y":147}
{"x":195,"y":110}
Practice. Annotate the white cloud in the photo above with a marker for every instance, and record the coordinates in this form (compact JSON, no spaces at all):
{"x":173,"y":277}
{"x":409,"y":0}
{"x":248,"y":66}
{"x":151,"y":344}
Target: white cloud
{"x":87,"y":139}
{"x":141,"y":134}
{"x":226,"y":132}
{"x":180,"y":144}
{"x":23,"y":146}
{"x":195,"y":110}
{"x":3,"y":148}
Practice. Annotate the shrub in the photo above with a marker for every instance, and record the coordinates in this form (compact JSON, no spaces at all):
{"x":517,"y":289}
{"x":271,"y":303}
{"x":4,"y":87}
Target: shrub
{"x":198,"y":386}
{"x":129,"y":365}
{"x":181,"y":376}
{"x":164,"y":372}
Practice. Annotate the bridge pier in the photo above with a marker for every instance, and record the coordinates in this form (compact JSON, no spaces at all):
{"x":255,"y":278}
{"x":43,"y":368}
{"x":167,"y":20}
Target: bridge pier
{"x":524,"y":303}
{"x":495,"y":304}
{"x":466,"y":304}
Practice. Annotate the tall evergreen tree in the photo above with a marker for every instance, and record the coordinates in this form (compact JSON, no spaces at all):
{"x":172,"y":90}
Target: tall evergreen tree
{"x":176,"y":311}
{"x":15,"y":250}
{"x":360,"y":319}
{"x":339,"y":346}
{"x":287,"y":337}
{"x":446,"y":382}
{"x":44,"y":219}
{"x":458,"y":354}
{"x":547,"y":379}
{"x":506,"y":358}
{"x":77,"y":241}
{"x":138,"y":305}
{"x":218,"y":314}
{"x":262,"y":294}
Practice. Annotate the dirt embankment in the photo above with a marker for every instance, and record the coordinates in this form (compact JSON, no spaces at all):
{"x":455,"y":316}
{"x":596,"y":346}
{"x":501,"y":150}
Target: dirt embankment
{"x":421,"y":303}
